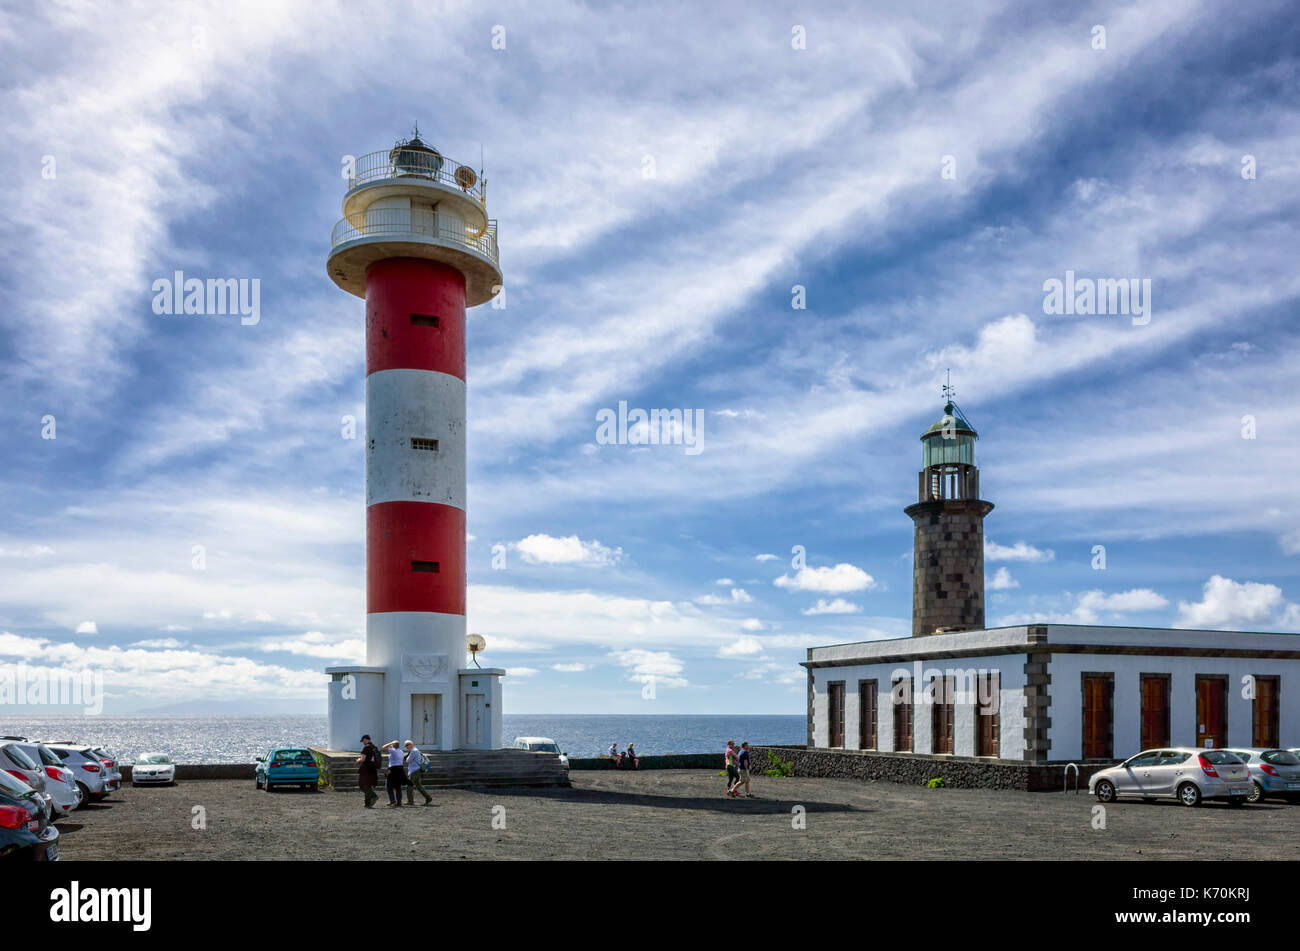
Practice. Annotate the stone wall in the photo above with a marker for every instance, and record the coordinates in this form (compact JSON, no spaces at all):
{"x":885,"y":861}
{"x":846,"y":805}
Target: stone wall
{"x":670,"y":761}
{"x":206,"y":771}
{"x":917,"y":769}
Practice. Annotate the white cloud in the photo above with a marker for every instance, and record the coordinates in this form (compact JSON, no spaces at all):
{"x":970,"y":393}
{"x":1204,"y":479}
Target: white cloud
{"x":661,"y":667}
{"x":317,"y":644}
{"x":570,"y":668}
{"x":87,"y":627}
{"x":751,"y":624}
{"x":1002,"y":580}
{"x":541,"y":549}
{"x":837,"y":580}
{"x":521,"y":671}
{"x":724,"y":582}
{"x":1226,"y":604}
{"x":833,"y":606}
{"x":741,"y":647}
{"x":738,"y":596}
{"x":163,"y":643}
{"x":1093,"y":607}
{"x":1020,"y":551}
{"x":765,"y":557}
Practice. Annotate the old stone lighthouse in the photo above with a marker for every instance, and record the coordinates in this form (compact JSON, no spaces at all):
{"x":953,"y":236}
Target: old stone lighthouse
{"x":1027,"y":694}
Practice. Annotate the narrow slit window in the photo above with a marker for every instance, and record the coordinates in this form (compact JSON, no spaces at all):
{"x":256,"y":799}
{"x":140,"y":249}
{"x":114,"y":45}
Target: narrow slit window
{"x":430,"y":445}
{"x":428,"y":566}
{"x":424,"y":320}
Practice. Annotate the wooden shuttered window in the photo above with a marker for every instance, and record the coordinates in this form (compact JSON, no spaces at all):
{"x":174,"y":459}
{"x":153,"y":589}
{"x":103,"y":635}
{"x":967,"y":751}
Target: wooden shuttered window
{"x":901,"y":698}
{"x":867,"y":702}
{"x":835,"y":704}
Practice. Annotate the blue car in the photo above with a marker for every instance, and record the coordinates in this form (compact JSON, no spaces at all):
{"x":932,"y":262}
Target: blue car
{"x":287,"y":766}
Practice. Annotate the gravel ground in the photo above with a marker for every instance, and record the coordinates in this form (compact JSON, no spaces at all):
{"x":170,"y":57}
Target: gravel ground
{"x":666,"y":814}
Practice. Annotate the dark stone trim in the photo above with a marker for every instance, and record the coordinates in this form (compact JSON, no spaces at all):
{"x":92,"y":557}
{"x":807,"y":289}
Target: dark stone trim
{"x":1038,"y":700}
{"x":811,"y":694}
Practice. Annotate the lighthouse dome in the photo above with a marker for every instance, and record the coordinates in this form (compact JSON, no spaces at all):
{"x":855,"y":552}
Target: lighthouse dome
{"x":950,"y":439}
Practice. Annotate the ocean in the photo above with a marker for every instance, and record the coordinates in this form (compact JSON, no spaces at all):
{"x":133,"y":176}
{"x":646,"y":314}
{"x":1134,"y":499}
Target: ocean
{"x":239,"y":739}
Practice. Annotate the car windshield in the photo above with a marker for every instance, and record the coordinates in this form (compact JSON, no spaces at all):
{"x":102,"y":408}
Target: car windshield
{"x":154,"y":759}
{"x":544,"y":747}
{"x":1221,"y":757}
{"x":292,"y":756}
{"x":21,"y":759}
{"x":1281,"y":758}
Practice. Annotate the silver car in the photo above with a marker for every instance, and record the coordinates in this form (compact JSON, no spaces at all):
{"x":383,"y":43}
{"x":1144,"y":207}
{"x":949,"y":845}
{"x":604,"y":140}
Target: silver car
{"x":21,"y":766}
{"x":86,"y":767}
{"x":60,"y":782}
{"x":1273,"y":772}
{"x":1184,"y":773}
{"x":110,"y":762}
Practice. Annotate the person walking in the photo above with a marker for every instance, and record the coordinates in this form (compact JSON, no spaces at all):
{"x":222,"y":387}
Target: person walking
{"x":368,"y":770}
{"x":396,"y":773}
{"x":414,"y":762}
{"x":730,"y":758}
{"x":742,"y":763}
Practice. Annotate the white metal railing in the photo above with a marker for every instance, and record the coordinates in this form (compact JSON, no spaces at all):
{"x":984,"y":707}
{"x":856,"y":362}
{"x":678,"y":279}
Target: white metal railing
{"x":400,"y":221}
{"x":412,"y":163}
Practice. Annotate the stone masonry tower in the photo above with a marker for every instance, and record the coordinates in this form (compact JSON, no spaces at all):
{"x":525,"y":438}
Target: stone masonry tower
{"x":948,"y":553}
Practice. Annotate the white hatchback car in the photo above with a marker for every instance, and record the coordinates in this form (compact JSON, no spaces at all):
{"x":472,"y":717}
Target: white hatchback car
{"x":1185,"y":773}
{"x":541,"y":744}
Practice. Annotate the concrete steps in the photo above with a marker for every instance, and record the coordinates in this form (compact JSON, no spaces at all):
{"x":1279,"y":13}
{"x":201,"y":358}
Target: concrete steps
{"x":457,"y":768}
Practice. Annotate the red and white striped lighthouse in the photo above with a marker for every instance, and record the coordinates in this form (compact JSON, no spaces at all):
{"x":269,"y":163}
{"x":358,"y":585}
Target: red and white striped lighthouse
{"x":415,"y":242}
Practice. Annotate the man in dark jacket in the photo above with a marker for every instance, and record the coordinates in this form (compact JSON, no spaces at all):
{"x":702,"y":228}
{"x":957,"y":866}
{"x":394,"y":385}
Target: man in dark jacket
{"x":368,"y":771}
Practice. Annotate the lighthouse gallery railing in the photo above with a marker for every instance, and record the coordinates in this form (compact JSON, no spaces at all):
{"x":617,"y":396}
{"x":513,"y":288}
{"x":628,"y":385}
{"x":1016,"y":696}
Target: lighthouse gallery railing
{"x":399,"y":221}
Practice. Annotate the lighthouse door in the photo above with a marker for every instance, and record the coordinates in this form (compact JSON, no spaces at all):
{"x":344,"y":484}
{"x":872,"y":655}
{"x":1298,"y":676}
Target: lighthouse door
{"x":474,"y":727}
{"x":425,"y":732}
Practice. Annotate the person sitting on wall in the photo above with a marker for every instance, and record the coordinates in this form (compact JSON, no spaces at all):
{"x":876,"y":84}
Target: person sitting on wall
{"x":631,"y":760}
{"x":614,"y":756}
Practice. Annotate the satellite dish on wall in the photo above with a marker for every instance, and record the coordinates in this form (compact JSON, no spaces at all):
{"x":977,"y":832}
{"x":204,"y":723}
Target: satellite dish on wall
{"x":475,"y":643}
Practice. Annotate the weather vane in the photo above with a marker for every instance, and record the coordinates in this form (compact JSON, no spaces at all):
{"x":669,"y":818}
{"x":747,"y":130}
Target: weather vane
{"x":948,"y":390}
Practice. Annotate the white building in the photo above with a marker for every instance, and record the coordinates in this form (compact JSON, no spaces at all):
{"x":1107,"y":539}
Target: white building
{"x":1039,"y":693}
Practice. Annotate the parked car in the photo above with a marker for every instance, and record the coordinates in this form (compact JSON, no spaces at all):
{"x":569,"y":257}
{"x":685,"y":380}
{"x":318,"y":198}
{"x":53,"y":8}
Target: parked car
{"x":1273,"y":772}
{"x":287,"y":766}
{"x":1184,"y":773}
{"x":86,"y":767}
{"x":109,"y":760}
{"x":25,"y":769}
{"x":153,"y":768}
{"x":26,"y":833}
{"x":541,"y":744}
{"x":60,"y":782}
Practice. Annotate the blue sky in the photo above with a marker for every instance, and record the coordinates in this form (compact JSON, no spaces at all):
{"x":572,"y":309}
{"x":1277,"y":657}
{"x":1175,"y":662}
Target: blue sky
{"x":663,"y":176}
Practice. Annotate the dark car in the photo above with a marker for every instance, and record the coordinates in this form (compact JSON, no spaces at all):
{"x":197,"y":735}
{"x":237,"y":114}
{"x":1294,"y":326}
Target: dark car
{"x":25,"y":830}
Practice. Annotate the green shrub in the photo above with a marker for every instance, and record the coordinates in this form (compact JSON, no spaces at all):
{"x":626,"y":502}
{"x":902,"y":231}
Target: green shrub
{"x":936,"y":783}
{"x":779,"y":768}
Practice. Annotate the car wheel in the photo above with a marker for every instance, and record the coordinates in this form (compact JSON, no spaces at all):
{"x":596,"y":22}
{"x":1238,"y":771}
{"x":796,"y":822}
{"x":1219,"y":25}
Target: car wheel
{"x":1105,"y":791}
{"x":1189,"y":795}
{"x":85,"y":795}
{"x":1256,"y":793}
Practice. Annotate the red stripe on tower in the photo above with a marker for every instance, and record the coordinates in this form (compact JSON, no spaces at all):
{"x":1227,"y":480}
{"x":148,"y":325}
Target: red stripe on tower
{"x":415,"y":316}
{"x":416,"y":558}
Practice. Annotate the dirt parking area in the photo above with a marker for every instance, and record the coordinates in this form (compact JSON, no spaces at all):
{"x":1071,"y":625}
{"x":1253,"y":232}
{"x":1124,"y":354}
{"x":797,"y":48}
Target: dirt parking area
{"x":666,"y":814}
